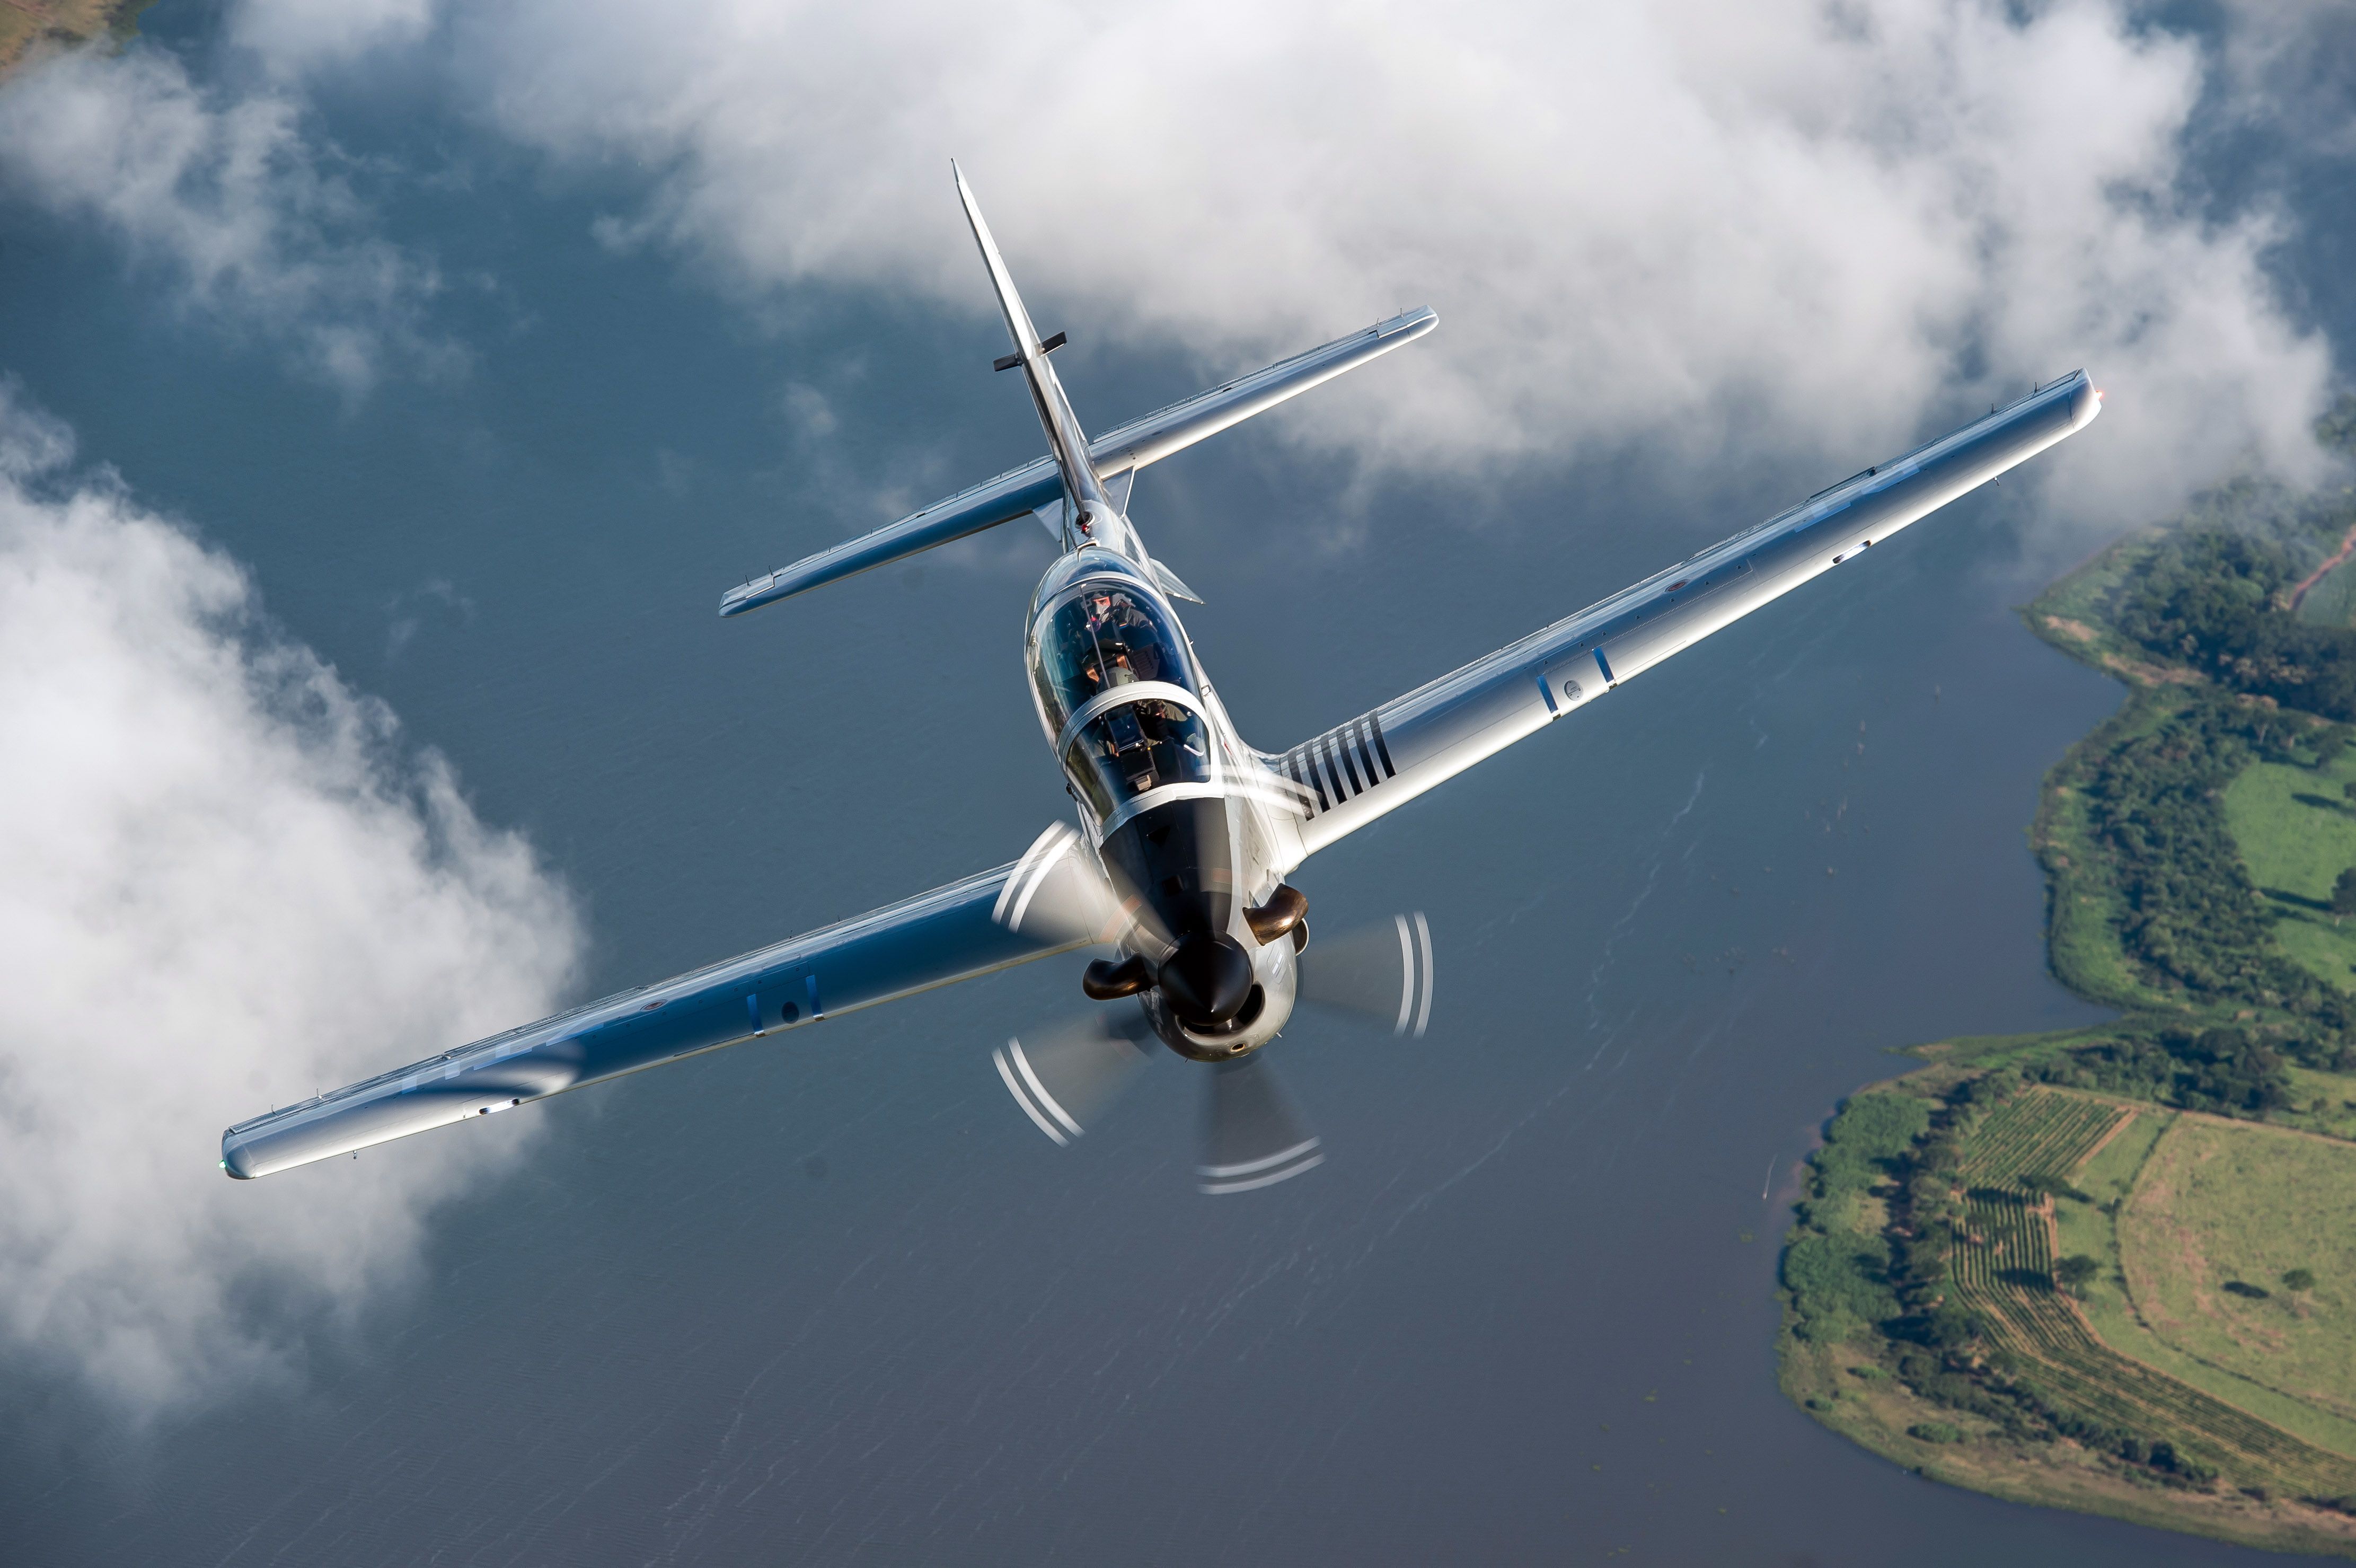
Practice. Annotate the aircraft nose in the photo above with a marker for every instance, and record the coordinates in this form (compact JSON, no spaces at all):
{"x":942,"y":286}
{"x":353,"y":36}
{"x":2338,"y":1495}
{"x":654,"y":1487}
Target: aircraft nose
{"x":1207,"y":979}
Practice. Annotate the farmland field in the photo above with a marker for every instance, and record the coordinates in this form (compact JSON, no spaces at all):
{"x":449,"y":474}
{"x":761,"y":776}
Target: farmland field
{"x":2296,"y":833}
{"x":2004,"y":1272}
{"x":2222,"y":1203}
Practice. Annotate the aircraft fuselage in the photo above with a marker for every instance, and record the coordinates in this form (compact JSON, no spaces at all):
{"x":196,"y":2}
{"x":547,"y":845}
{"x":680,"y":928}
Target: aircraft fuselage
{"x":1175,"y":807}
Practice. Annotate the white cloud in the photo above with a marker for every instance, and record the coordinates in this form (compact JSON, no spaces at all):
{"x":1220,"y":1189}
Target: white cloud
{"x":225,"y":195}
{"x":295,"y":36}
{"x":1746,"y":221}
{"x":222,"y":882}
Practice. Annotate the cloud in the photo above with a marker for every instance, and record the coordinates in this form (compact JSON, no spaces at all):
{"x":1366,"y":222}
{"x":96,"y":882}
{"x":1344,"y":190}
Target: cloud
{"x":1735,"y":225}
{"x":224,"y":194}
{"x":292,"y":37}
{"x":223,"y":882}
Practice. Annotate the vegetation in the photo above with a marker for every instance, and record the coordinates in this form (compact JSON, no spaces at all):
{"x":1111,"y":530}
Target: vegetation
{"x":2297,"y":838}
{"x":2216,"y":599}
{"x":61,"y":23}
{"x":2092,"y":1269}
{"x":2221,"y":1207}
{"x":2075,"y":1273}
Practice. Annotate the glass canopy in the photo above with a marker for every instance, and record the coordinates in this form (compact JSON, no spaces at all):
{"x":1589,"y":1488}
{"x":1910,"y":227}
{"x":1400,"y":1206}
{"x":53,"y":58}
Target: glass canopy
{"x":1131,"y":747}
{"x":1103,"y":634}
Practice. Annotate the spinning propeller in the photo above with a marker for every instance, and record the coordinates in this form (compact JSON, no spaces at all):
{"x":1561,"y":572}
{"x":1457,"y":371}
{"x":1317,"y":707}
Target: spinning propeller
{"x":1066,"y":1078}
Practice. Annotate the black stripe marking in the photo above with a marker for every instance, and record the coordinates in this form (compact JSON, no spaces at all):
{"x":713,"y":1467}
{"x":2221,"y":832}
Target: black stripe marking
{"x":1299,"y":775}
{"x":1349,"y":764}
{"x":1327,"y":766}
{"x":1315,"y":780}
{"x":1374,"y":724}
{"x":1366,"y":754}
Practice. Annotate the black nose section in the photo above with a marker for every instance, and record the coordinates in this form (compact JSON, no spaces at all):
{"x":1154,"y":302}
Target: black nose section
{"x":1207,"y":979}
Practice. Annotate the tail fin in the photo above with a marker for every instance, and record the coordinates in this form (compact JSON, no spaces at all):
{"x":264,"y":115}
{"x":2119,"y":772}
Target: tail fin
{"x":1065,"y":437}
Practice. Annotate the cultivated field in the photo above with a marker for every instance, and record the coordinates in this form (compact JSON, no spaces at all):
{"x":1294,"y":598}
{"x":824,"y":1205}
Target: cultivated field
{"x":2224,"y":1203}
{"x":2005,"y":1274}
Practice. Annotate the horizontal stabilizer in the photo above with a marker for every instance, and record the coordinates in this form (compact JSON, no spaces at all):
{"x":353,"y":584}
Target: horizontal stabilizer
{"x":1036,"y":484}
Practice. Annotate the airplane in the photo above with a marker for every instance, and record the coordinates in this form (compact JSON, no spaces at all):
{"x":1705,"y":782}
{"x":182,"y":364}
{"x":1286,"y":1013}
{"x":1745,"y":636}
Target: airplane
{"x":1185,"y":836}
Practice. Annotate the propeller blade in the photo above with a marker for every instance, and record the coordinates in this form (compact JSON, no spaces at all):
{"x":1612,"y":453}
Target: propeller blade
{"x":1382,"y":972}
{"x":1057,"y":894}
{"x":1066,"y":1079}
{"x":1251,"y":1136}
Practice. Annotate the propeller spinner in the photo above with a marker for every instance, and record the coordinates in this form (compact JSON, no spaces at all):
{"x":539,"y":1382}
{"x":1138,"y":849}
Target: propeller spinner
{"x":1067,"y":1078}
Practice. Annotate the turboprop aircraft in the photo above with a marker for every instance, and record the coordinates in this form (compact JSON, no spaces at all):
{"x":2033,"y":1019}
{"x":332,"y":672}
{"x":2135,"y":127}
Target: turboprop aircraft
{"x":1178,"y":862}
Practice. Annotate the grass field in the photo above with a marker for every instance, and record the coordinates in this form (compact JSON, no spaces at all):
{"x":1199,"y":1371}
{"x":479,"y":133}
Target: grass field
{"x":2332,"y":601}
{"x":2088,"y":1229}
{"x":2224,"y":1202}
{"x":2005,"y":1274}
{"x":2296,"y":833}
{"x":2322,"y":1102}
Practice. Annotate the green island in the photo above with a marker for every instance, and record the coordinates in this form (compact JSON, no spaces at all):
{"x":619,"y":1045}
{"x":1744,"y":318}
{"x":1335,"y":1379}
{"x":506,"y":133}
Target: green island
{"x":29,"y":28}
{"x":2114,"y":1269}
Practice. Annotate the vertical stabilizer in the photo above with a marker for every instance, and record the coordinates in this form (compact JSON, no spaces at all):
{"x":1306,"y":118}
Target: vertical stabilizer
{"x":1094,"y":513}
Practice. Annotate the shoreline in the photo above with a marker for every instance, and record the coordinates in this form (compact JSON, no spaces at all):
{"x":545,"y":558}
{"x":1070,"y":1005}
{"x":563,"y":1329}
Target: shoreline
{"x":1926,"y":1313}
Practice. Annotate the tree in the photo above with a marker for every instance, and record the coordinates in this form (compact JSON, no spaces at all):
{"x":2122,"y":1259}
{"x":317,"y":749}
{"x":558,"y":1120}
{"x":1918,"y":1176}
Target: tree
{"x":2053,"y":1186}
{"x":2074,"y":1274}
{"x":2298,"y":1279}
{"x":2343,"y":894}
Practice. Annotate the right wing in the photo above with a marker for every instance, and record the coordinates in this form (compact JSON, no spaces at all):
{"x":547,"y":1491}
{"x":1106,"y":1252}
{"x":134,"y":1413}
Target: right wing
{"x":1050,"y":901}
{"x":1347,"y":777}
{"x":1018,"y":492}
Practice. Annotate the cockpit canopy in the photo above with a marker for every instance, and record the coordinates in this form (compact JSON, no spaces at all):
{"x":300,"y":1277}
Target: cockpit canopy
{"x":1131,"y":747}
{"x":1100,"y":634}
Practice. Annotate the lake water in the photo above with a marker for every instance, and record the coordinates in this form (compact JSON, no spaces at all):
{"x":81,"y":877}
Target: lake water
{"x":833,"y":1299}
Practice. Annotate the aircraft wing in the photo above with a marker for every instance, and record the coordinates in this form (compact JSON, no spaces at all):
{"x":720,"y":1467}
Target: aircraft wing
{"x":1050,"y":901}
{"x":1349,"y":776}
{"x":1018,"y":492}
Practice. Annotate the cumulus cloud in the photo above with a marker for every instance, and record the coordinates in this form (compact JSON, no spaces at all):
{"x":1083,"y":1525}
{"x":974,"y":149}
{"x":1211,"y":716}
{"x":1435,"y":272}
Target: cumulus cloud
{"x":1815,"y":225}
{"x":224,"y":194}
{"x":223,"y":882}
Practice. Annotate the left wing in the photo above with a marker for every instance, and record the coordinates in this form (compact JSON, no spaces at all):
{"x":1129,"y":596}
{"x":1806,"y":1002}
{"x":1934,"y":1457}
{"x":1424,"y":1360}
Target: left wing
{"x":1347,"y":777}
{"x":1050,"y":901}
